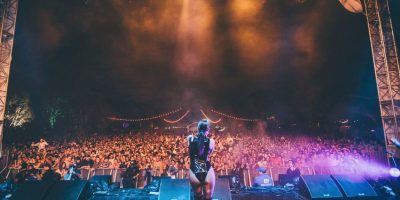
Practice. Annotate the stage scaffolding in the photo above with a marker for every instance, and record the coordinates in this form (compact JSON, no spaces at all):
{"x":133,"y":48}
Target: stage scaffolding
{"x":386,"y":65}
{"x":8,"y":10}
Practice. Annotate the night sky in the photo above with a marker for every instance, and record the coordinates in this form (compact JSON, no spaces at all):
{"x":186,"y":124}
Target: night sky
{"x":134,"y":58}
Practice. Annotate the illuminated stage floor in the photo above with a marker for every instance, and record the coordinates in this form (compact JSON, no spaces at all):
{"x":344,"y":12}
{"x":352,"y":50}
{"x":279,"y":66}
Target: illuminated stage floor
{"x":275,"y":193}
{"x":139,"y":194}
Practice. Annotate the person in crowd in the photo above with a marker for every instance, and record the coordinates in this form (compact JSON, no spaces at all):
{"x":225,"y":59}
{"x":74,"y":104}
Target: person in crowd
{"x":73,"y":174}
{"x":263,"y":179}
{"x":62,"y":169}
{"x":78,"y":162}
{"x":181,"y":163}
{"x":201,"y":173}
{"x":293,"y":173}
{"x":172,"y":170}
{"x":129,"y":178}
{"x":148,"y":174}
{"x":87,"y":163}
{"x":238,"y":172}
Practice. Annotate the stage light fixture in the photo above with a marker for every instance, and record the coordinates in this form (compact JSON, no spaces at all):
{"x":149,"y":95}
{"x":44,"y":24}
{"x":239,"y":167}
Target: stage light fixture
{"x":394,"y":172}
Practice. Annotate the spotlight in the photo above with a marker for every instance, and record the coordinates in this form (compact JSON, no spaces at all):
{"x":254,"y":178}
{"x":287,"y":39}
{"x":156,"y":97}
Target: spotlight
{"x":394,"y":172}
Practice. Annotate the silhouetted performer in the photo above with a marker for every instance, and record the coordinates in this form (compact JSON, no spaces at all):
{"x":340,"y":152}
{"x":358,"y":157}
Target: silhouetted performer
{"x":201,"y":173}
{"x":149,"y":174}
{"x":129,"y":177}
{"x":293,"y":173}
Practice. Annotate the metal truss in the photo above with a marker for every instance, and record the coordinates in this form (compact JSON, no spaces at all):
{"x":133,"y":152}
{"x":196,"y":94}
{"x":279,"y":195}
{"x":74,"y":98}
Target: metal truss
{"x":8,"y":11}
{"x":386,"y":65}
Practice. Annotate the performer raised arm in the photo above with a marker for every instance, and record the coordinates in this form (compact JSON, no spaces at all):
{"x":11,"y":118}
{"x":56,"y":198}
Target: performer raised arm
{"x":201,"y":173}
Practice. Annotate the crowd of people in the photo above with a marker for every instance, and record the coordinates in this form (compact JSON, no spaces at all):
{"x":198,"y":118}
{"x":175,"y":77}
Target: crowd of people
{"x":168,"y":152}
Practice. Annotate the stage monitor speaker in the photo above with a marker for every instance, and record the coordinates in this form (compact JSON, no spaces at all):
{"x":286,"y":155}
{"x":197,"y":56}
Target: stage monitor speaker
{"x":161,"y":177}
{"x":234,"y":181}
{"x":69,"y":190}
{"x":354,"y":186}
{"x":174,"y":189}
{"x":100,"y":183}
{"x":31,"y":190}
{"x":222,"y":189}
{"x":319,"y":187}
{"x":285,"y":178}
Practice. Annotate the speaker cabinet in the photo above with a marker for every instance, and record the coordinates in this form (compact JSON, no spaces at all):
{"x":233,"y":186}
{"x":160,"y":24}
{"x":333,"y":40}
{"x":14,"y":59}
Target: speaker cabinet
{"x":32,"y":190}
{"x":100,"y":183}
{"x":101,"y":178}
{"x":354,"y":186}
{"x":55,"y":190}
{"x":319,"y":187}
{"x":174,"y":189}
{"x":222,"y":189}
{"x":69,"y":190}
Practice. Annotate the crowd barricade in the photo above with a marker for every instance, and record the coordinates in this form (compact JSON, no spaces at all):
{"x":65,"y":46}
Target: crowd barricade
{"x":86,"y":174}
{"x":223,"y":172}
{"x":322,"y":170}
{"x":12,"y":172}
{"x":117,"y":175}
{"x":339,"y":170}
{"x":142,"y":179}
{"x":307,"y":170}
{"x":251,"y":173}
{"x":275,"y":171}
{"x":246,"y":178}
{"x":182,"y":174}
{"x":103,"y":171}
{"x":157,"y":172}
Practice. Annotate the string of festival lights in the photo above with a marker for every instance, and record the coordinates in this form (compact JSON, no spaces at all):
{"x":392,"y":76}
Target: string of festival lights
{"x":234,"y":117}
{"x":210,"y":120}
{"x":177,"y":120}
{"x":145,"y":118}
{"x":182,"y":117}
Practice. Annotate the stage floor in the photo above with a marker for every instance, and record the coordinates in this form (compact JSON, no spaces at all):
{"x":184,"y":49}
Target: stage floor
{"x":140,"y":194}
{"x":274,"y":193}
